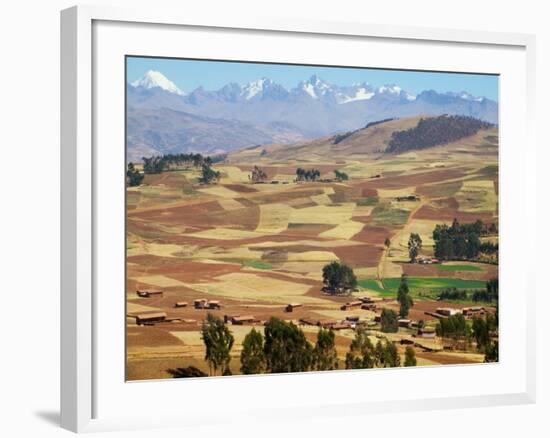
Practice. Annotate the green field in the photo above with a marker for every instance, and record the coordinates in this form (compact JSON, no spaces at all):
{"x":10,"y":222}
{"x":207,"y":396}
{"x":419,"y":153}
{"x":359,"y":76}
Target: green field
{"x":257,"y":264}
{"x":459,"y":268}
{"x":369,"y":283}
{"x":420,"y":286}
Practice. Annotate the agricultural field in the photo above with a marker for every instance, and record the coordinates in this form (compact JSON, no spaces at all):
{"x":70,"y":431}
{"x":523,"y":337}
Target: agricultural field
{"x":258,"y":246}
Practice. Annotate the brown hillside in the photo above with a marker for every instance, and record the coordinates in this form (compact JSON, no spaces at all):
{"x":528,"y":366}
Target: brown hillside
{"x":372,"y":140}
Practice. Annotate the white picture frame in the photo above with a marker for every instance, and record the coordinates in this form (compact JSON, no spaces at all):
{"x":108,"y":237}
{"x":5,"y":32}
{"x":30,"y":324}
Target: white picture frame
{"x":83,"y":173}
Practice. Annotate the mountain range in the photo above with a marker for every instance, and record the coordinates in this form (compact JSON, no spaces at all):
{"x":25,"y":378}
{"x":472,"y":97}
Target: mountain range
{"x":162,"y":118}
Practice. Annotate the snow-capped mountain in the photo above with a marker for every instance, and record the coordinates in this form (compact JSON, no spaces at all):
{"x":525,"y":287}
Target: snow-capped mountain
{"x":270,"y":112}
{"x":155,"y":79}
{"x":358,"y":91}
{"x":262,"y":89}
{"x":315,"y":88}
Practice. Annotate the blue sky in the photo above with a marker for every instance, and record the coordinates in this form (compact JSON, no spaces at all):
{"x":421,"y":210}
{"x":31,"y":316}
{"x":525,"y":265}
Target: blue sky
{"x":212,"y":75}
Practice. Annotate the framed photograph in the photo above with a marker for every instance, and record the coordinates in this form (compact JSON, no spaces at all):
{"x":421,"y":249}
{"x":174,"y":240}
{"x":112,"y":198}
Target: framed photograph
{"x":314,"y":215}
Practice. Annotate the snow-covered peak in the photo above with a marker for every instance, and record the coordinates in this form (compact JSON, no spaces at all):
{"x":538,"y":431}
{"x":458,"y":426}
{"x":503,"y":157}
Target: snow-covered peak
{"x":315,"y":87}
{"x":253,"y":88}
{"x":389,"y":89}
{"x":155,"y":79}
{"x":467,"y":96}
{"x":358,"y":92}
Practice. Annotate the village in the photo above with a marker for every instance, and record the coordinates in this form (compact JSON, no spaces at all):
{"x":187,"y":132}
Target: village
{"x":411,"y":332}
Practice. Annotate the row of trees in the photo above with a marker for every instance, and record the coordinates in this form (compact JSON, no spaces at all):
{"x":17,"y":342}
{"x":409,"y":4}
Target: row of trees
{"x":435,"y":131}
{"x":341,"y":137}
{"x":363,"y":354}
{"x":307,"y":174}
{"x":487,"y":295}
{"x":160,"y":163}
{"x":284,"y":348}
{"x":258,"y":175}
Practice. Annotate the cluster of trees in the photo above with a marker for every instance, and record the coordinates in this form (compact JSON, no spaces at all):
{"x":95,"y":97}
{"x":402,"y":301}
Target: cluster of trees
{"x":208,"y":175}
{"x":284,"y":348}
{"x":339,"y":278}
{"x":340,"y":176}
{"x":490,"y":293}
{"x":414,"y":245}
{"x":460,"y":241}
{"x":435,"y":131}
{"x":454,"y":327}
{"x":363,"y":354}
{"x":307,"y":174}
{"x":160,"y":163}
{"x":483,"y":331}
{"x":133,"y":176}
{"x":258,"y":175}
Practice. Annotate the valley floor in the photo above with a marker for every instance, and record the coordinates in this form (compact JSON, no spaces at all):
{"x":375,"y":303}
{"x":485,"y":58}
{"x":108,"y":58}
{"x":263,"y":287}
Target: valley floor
{"x":258,"y":247}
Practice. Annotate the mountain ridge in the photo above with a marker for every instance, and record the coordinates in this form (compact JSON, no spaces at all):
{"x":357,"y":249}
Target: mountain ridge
{"x":273,"y":114}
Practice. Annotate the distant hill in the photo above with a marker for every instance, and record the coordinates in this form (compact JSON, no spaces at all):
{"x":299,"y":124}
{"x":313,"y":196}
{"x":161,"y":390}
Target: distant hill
{"x":435,"y":131}
{"x":375,"y":140}
{"x":262,"y":111}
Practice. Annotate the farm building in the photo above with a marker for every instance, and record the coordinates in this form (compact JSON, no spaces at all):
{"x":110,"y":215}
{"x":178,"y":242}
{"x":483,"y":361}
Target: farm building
{"x":147,"y":293}
{"x":446,"y":311}
{"x":149,"y":317}
{"x":242,"y":319}
{"x":404,"y":323}
{"x":200,"y":303}
{"x":366,"y":300}
{"x":180,"y":304}
{"x":328,"y":323}
{"x":426,"y":332}
{"x":290,"y":307}
{"x":213,"y":304}
{"x":427,"y":260}
{"x":351,"y":305}
{"x":473,"y":311}
{"x":370,"y":306}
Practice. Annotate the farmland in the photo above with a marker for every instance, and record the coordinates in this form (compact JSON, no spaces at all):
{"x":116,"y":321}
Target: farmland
{"x":256,"y":247}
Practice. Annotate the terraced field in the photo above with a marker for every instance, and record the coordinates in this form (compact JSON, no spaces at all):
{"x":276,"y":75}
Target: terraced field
{"x":258,"y":247}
